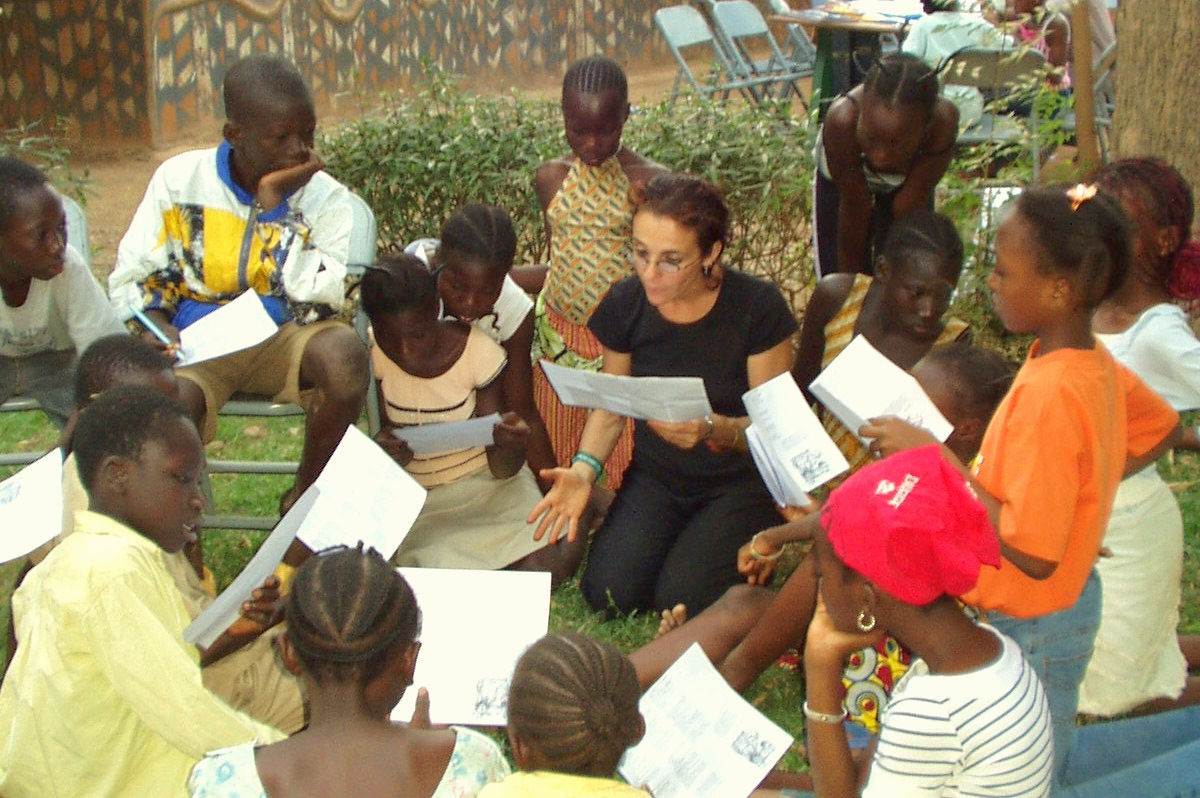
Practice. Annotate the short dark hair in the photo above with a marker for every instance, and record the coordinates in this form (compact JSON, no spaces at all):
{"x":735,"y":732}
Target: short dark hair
{"x":982,"y":376}
{"x":483,"y":233}
{"x":1091,"y":244}
{"x":346,"y":609}
{"x":596,"y":74}
{"x":261,"y":78}
{"x":574,"y":701}
{"x":924,"y":233}
{"x":397,"y":283}
{"x":16,"y":178}
{"x":107,"y":357}
{"x":119,"y":423}
{"x":903,"y":79}
{"x":692,"y":202}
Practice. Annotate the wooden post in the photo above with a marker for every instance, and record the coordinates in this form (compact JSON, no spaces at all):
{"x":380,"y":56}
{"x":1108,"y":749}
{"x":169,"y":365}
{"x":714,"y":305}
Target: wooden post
{"x":1085,"y":88}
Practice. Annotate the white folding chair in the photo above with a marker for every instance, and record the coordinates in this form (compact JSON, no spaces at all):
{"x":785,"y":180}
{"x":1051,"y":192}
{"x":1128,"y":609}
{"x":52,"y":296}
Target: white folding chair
{"x":741,"y":27}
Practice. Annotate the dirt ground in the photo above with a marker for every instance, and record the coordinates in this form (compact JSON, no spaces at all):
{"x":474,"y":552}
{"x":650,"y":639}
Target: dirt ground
{"x":119,"y":175}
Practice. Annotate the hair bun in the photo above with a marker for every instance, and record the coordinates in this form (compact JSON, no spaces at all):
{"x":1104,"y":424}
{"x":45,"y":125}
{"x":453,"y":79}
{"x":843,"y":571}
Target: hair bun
{"x":1184,"y":281}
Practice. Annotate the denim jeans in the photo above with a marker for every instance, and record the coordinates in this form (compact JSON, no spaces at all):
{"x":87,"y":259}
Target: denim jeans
{"x":45,"y":376}
{"x":1156,"y":756}
{"x":1058,"y":647}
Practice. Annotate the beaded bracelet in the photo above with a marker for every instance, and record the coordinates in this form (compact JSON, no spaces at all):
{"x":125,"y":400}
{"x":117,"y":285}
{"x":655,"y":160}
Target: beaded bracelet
{"x":589,"y":460}
{"x":754,"y":555}
{"x":823,"y":717}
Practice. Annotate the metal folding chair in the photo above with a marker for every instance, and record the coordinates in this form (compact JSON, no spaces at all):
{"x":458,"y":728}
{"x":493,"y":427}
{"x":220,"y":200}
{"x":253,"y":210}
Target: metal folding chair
{"x":998,"y":71}
{"x":741,"y":26}
{"x":77,"y":236}
{"x":362,"y":253}
{"x":803,"y":49}
{"x":682,"y":27}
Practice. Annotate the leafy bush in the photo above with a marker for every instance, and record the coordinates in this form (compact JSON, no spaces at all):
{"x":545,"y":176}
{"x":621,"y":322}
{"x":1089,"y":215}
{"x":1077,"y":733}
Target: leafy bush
{"x":44,"y":147}
{"x":424,"y":155}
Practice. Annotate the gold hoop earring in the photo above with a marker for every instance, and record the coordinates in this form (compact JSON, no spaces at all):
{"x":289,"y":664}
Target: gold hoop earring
{"x":865,"y":625}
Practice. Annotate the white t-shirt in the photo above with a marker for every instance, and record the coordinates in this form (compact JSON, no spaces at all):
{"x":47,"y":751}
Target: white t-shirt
{"x":511,"y":308}
{"x":986,"y":732}
{"x":935,"y":37}
{"x":66,"y":312}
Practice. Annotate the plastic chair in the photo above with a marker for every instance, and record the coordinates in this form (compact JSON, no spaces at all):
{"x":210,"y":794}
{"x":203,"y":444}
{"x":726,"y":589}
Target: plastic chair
{"x":682,"y":27}
{"x":77,"y":236}
{"x":361,"y":254}
{"x":998,"y":71}
{"x":741,"y":25}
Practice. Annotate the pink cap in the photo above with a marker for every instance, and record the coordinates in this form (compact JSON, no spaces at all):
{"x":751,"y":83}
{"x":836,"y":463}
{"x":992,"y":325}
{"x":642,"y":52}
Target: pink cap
{"x":912,"y":525}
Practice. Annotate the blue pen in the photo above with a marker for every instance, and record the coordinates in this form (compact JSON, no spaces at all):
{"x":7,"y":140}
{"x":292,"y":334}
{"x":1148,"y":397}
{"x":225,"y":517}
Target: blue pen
{"x":149,"y":324}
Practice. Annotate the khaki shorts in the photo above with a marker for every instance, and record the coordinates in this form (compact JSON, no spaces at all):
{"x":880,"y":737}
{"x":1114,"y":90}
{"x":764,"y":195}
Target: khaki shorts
{"x":271,"y":368}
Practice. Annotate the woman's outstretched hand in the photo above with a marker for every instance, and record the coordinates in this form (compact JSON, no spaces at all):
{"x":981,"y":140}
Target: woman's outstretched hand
{"x":563,"y":504}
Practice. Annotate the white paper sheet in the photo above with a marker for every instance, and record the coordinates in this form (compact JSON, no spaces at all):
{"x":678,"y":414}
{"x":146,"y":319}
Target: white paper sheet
{"x":789,"y":443}
{"x":31,"y":506}
{"x":661,"y":398}
{"x":474,"y":627}
{"x":861,"y":384}
{"x":206,"y":627}
{"x":449,"y":436}
{"x":365,"y":496}
{"x":234,"y":326}
{"x":703,"y":740}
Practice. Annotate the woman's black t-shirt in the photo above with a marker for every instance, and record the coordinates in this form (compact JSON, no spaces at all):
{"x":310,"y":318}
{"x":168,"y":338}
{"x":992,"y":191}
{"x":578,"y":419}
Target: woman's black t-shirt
{"x":749,"y":317}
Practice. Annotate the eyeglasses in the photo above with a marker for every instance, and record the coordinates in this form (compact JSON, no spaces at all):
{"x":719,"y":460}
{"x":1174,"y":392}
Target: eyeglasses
{"x":669,"y":264}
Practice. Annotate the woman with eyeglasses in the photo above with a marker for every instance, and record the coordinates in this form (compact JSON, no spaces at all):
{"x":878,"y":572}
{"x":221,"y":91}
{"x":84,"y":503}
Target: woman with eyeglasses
{"x":691,"y":496}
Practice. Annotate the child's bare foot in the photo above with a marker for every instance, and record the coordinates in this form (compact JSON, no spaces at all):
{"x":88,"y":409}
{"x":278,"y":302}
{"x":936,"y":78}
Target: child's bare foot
{"x":672,"y":619}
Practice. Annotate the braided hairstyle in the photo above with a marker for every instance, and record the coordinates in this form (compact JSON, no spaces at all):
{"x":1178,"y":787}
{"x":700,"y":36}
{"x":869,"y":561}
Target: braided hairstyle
{"x":924,"y":234}
{"x":574,"y":701}
{"x":1155,"y":190}
{"x":109,"y":357}
{"x":596,"y":75}
{"x":397,"y":283}
{"x":346,"y":609}
{"x":16,"y":179}
{"x":480,"y":233}
{"x":1089,"y":242}
{"x":904,"y":80}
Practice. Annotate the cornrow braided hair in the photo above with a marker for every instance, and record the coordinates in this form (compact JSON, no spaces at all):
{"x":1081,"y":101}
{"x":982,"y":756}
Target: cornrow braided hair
{"x":346,"y":608}
{"x":1156,"y":190}
{"x":596,"y":75}
{"x":924,"y":232}
{"x":903,"y":79}
{"x":481,"y":233}
{"x":574,"y":701}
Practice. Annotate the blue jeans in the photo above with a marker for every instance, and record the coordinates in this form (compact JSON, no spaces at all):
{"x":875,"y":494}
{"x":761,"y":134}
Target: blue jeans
{"x":1058,"y":647}
{"x":1157,"y":756}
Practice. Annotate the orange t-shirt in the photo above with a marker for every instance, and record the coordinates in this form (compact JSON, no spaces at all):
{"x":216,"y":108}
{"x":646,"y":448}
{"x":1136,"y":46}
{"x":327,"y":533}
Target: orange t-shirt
{"x":1053,"y":455}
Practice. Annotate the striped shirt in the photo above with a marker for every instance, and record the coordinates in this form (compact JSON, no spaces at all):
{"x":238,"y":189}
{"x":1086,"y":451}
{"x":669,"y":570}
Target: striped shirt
{"x":982,"y":733}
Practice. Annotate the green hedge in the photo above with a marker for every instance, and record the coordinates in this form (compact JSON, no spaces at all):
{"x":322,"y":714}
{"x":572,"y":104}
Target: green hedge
{"x":420,"y":156}
{"x":423,"y":155}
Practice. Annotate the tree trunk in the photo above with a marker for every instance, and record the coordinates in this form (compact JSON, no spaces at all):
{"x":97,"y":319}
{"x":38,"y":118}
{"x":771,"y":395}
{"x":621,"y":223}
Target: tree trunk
{"x":1157,"y":89}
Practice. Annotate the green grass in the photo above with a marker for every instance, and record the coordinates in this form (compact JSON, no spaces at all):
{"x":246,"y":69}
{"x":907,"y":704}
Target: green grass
{"x":777,"y":693}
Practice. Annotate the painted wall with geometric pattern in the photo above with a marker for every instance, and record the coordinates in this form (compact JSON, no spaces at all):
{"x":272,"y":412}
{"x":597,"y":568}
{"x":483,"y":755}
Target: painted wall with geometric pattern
{"x":142,"y":68}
